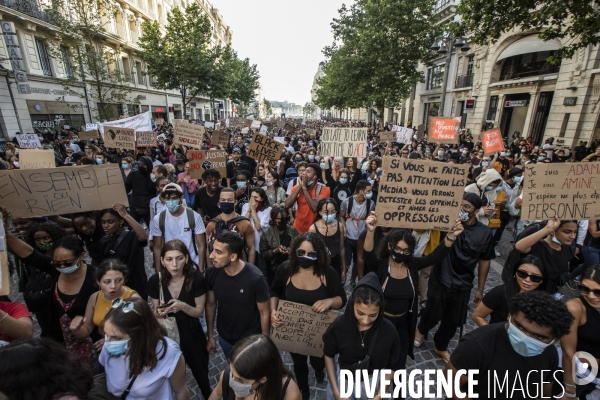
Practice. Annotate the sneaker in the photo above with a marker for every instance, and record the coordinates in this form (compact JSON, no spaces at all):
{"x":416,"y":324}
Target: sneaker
{"x":573,"y":284}
{"x":445,"y":354}
{"x":498,"y":254}
{"x":419,"y":338}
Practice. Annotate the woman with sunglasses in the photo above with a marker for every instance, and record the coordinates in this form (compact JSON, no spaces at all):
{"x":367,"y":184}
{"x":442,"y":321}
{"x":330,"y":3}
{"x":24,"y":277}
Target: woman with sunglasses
{"x":398,"y":273}
{"x":255,"y":372}
{"x":184,"y":295}
{"x":138,"y":358}
{"x":583,"y":336}
{"x":307,"y":279}
{"x":331,"y":232}
{"x":528,"y":274}
{"x":110,"y":277}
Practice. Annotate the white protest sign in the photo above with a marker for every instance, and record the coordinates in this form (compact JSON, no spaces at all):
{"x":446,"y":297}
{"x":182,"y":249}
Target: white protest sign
{"x":280,"y":139}
{"x":344,"y":142}
{"x":29,"y":141}
{"x":140,"y":122}
{"x":263,"y":129}
{"x":404,"y":135}
{"x":209,"y":125}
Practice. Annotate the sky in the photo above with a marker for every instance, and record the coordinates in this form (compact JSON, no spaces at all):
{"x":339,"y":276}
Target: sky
{"x":284,"y":38}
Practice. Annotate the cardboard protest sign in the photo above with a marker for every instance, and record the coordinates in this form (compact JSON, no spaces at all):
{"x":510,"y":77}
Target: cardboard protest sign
{"x":344,"y":142}
{"x":263,"y":129}
{"x":4,"y":271}
{"x":119,"y":138}
{"x":421,"y":131}
{"x":281,"y":124}
{"x":220,"y":138}
{"x":444,"y":130}
{"x":209,"y":125}
{"x":420,"y":194}
{"x":29,"y":141}
{"x":88,"y":135}
{"x":245,"y":130}
{"x":311,"y":133}
{"x":404,"y":135}
{"x":289,"y":127}
{"x":201,"y":160}
{"x":255,"y":124}
{"x":492,"y":141}
{"x":387,"y":136}
{"x":145,"y":139}
{"x":264,"y":148}
{"x":187,"y":134}
{"x":303,"y":330}
{"x":36,"y":159}
{"x":53,"y":191}
{"x":568,"y":191}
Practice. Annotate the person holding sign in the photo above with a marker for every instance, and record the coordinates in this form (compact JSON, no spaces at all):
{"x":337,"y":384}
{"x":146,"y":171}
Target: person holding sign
{"x":307,"y":278}
{"x":362,"y":337}
{"x":398,"y":272}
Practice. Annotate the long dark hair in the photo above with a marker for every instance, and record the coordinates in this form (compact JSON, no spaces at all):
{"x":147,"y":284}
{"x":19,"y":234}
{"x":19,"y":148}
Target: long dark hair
{"x":264,"y":200}
{"x":322,"y":254}
{"x":42,"y":369}
{"x":512,"y":286}
{"x":592,"y":273}
{"x":324,"y":202}
{"x":394,"y":237}
{"x":275,"y":211}
{"x":92,"y":215}
{"x":256,"y":357}
{"x":190,"y":269}
{"x":275,"y":176}
{"x":144,"y":333}
{"x":110,"y":264}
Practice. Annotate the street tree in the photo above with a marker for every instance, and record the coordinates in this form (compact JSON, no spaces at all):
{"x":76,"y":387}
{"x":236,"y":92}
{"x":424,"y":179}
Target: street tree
{"x":91,"y":67}
{"x":576,"y":21}
{"x":268,"y":107}
{"x":308,"y":109}
{"x":180,"y":58}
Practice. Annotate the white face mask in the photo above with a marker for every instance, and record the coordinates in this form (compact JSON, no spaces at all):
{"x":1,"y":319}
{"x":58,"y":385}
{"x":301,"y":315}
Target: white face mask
{"x":241,"y":390}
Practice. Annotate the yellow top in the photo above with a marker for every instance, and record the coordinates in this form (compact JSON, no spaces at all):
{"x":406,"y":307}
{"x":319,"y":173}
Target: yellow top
{"x":103,"y":305}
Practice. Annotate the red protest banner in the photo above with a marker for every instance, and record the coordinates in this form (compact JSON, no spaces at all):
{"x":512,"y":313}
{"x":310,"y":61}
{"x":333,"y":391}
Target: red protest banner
{"x":444,"y":130}
{"x":492,"y":141}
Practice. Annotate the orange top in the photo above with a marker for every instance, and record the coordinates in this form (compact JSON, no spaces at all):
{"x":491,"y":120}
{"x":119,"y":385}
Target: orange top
{"x":304,"y":215}
{"x":103,"y":306}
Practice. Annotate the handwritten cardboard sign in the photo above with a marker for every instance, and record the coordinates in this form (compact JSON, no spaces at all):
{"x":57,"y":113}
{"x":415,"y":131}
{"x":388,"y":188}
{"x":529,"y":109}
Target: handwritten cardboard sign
{"x":201,"y":160}
{"x":119,"y":138}
{"x":53,"y":191}
{"x":444,"y":129}
{"x":420,"y":131}
{"x":264,"y":148}
{"x":289,"y":127}
{"x":344,"y":142}
{"x":404,"y":135}
{"x":160,"y":121}
{"x":492,"y":141}
{"x":220,"y":138}
{"x":4,"y":271}
{"x":568,"y":191}
{"x":145,"y":139}
{"x":255,"y":124}
{"x":303,"y":330}
{"x":36,"y":159}
{"x":29,"y":141}
{"x":88,"y":135}
{"x":187,"y":134}
{"x":420,"y":194}
{"x":387,"y":136}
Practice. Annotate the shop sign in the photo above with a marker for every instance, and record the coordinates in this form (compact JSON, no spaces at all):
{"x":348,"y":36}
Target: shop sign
{"x":570,"y":101}
{"x":516,"y":103}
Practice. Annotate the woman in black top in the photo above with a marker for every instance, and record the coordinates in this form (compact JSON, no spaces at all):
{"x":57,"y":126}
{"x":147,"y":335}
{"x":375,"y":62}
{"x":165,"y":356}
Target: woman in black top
{"x":89,"y":229}
{"x":126,"y":245}
{"x":184,"y":294}
{"x":528,"y":274}
{"x":307,"y":279}
{"x":398,"y":273}
{"x":331,"y":232}
{"x":353,"y":335}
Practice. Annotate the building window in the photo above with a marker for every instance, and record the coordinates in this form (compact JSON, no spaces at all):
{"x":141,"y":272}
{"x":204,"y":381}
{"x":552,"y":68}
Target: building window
{"x":491,"y":116}
{"x":140,"y":73}
{"x":435,"y":77}
{"x":470,"y":60}
{"x":525,"y":65}
{"x":43,"y":54}
{"x":66,"y":59}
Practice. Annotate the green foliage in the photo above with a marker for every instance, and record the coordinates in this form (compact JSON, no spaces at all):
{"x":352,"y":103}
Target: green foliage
{"x":578,"y":21}
{"x":268,"y":107}
{"x":374,"y":57}
{"x":308,"y":109}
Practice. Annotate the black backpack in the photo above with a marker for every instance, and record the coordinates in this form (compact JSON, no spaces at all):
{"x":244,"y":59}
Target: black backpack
{"x":221,"y":226}
{"x":191,"y":222}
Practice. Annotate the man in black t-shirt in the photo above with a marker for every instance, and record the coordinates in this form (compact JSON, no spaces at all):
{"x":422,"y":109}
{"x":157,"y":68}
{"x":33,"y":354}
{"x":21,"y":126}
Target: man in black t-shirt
{"x":233,"y":167}
{"x":240,"y":292}
{"x":206,"y":202}
{"x":516,"y":359}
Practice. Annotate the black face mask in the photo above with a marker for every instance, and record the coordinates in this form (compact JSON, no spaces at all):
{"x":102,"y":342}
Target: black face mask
{"x":281,"y":225}
{"x":398,"y":257}
{"x":306,"y":262}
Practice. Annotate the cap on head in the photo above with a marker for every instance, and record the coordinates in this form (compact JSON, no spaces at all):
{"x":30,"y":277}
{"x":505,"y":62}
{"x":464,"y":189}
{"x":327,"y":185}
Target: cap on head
{"x":173,"y":187}
{"x":474,"y":199}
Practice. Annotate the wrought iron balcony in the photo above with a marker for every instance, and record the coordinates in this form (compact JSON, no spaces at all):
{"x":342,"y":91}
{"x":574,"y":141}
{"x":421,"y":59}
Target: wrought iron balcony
{"x":28,"y":7}
{"x":518,"y":71}
{"x":463,"y":81}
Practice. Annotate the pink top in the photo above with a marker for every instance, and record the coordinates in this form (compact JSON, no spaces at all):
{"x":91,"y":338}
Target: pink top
{"x":192,"y":185}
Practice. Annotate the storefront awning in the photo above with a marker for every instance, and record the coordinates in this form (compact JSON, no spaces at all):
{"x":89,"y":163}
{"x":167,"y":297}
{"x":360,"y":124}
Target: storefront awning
{"x":529,"y":44}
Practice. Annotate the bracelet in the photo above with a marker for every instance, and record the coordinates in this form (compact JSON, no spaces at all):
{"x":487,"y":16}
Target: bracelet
{"x":212,"y":338}
{"x":569,"y":385}
{"x":450,"y":240}
{"x":570,"y":395}
{"x":5,"y":315}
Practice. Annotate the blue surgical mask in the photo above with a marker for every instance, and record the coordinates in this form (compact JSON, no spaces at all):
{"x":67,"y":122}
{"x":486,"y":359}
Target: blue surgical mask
{"x":419,"y":148}
{"x":555,"y":240}
{"x":488,"y":188}
{"x":517,"y":179}
{"x":98,"y":161}
{"x":368,"y":195}
{"x":269,"y":184}
{"x":175,"y":152}
{"x":125,"y":166}
{"x":241,"y":184}
{"x":499,"y":189}
{"x":172,"y":205}
{"x":343,"y":181}
{"x":68,"y":270}
{"x":485,"y":163}
{"x":311,"y":157}
{"x":440,"y":153}
{"x":322,"y":165}
{"x":541,"y":158}
{"x":310,"y":183}
{"x":523,"y":344}
{"x":328,"y":218}
{"x":117,"y":347}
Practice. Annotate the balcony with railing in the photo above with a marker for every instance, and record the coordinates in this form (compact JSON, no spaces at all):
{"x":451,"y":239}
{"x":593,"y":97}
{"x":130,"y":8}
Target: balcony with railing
{"x":463,"y":81}
{"x":28,"y":7}
{"x":134,"y":36}
{"x":121,"y":31}
{"x":519,"y":69}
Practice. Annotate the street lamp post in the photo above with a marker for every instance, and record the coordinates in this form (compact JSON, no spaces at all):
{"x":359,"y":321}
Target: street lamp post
{"x":445,"y":45}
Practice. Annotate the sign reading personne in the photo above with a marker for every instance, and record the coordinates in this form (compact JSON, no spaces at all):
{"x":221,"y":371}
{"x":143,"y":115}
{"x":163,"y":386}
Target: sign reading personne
{"x":264,"y":148}
{"x":187,"y":134}
{"x":202,"y":160}
{"x":387,"y":136}
{"x":119,"y":138}
{"x":54,"y":191}
{"x":420,"y":194}
{"x":36,"y":159}
{"x":145,"y":139}
{"x":29,"y":141}
{"x":220,"y":138}
{"x":567,"y":191}
{"x":88,"y":135}
{"x":492,"y":141}
{"x":303,"y":330}
{"x":344,"y":142}
{"x":444,"y":130}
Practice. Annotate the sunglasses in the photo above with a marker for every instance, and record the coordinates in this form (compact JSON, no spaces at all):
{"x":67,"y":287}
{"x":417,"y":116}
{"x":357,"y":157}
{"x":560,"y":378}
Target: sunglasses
{"x":304,"y":253}
{"x":126,"y":306}
{"x":586,"y":290}
{"x":524,"y":275}
{"x":59,"y":264}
